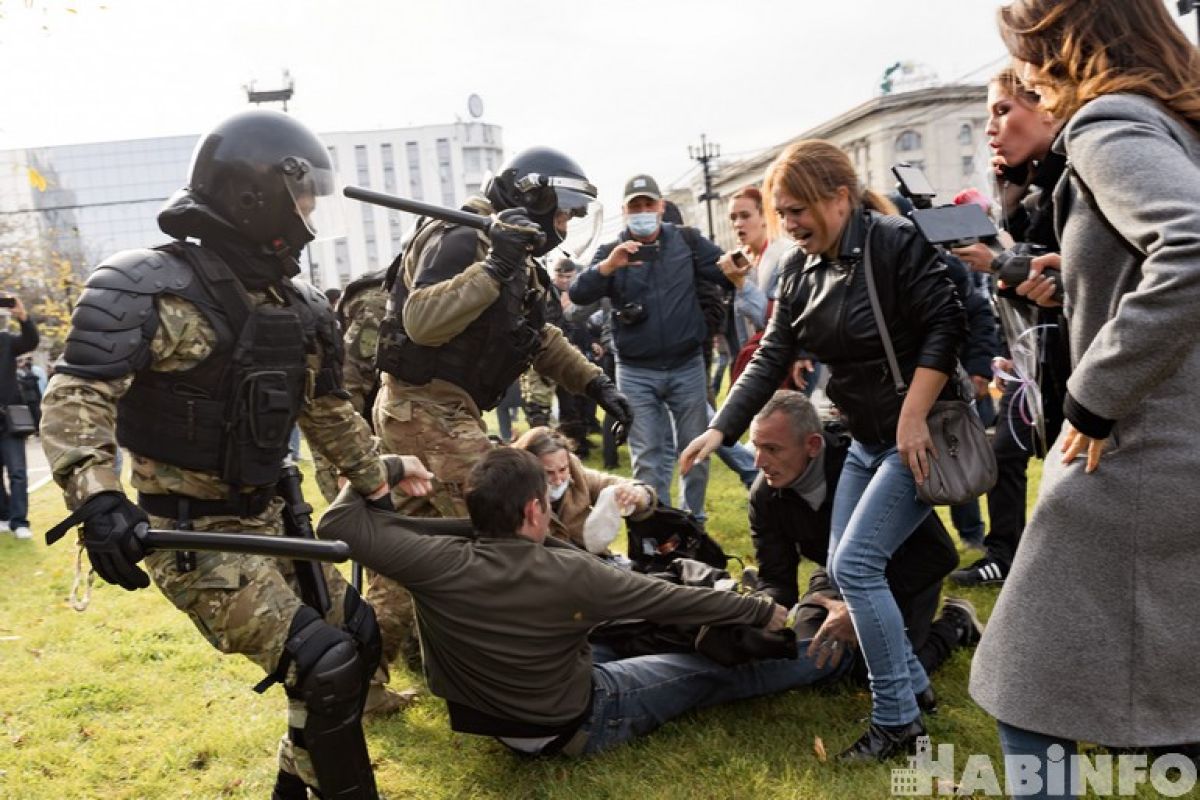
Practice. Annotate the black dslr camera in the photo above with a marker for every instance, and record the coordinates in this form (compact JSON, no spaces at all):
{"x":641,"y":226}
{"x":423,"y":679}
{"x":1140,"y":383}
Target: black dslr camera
{"x":630,"y":313}
{"x":948,"y":226}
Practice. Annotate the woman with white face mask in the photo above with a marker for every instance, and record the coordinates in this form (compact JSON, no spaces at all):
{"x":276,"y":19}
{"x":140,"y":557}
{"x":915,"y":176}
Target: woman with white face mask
{"x":574,"y":488}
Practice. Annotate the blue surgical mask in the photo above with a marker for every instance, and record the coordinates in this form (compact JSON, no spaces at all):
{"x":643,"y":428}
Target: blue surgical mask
{"x":643,"y":224}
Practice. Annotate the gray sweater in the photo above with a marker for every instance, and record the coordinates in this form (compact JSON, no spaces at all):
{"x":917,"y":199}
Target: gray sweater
{"x":504,"y":622}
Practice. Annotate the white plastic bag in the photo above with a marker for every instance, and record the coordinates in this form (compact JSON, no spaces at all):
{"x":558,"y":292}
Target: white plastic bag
{"x":604,"y":523}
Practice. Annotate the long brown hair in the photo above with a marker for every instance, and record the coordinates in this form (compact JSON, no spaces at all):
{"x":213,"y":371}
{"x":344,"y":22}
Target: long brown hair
{"x":542,"y":441}
{"x":812,"y":170}
{"x":1088,"y":48}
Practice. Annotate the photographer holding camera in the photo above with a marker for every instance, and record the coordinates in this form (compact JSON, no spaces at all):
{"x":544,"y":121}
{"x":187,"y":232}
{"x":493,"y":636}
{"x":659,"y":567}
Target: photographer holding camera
{"x":652,"y":273}
{"x":1020,"y":136}
{"x":12,"y":437}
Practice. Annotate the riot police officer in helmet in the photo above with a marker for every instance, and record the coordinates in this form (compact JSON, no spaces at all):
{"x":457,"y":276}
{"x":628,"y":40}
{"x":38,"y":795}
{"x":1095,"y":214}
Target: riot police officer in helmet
{"x":466,"y":317}
{"x":199,"y":359}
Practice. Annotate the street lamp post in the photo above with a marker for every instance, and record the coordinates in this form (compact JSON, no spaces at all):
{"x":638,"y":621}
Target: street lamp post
{"x":705,"y":153}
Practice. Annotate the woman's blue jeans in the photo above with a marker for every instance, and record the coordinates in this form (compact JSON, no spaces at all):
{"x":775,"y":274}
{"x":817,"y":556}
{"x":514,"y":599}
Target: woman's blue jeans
{"x":875,"y":509}
{"x":1053,"y":783}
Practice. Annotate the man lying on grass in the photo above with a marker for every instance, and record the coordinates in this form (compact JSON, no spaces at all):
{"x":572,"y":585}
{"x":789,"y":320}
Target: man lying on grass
{"x":504,"y":616}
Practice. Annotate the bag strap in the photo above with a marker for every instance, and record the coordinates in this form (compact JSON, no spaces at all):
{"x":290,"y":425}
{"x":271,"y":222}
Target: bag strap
{"x":901,"y":388}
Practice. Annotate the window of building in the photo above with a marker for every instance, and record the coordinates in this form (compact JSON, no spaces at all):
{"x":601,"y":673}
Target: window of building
{"x":472,"y":163}
{"x":968,"y":165}
{"x":966,"y":135}
{"x":341,"y":258}
{"x":908,"y":141}
{"x":333,"y":157}
{"x":368,"y":220}
{"x":389,"y":168}
{"x":413,"y":150}
{"x":445,"y":173}
{"x":361,"y":167}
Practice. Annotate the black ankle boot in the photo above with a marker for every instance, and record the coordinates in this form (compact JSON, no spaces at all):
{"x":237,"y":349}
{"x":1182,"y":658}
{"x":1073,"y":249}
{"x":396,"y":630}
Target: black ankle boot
{"x":927,"y":701}
{"x":882,"y":742}
{"x":289,"y":787}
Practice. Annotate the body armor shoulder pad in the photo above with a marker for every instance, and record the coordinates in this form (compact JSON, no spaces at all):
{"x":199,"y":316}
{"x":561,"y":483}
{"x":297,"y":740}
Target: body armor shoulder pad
{"x":318,"y":303}
{"x":115,"y":318}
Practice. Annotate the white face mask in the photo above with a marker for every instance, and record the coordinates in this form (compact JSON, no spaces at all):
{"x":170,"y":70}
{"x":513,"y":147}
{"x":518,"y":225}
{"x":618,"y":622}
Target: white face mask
{"x":557,"y":492}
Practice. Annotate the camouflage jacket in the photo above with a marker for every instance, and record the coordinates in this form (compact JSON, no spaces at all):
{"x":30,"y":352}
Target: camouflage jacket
{"x":363,"y":314}
{"x":79,"y":421}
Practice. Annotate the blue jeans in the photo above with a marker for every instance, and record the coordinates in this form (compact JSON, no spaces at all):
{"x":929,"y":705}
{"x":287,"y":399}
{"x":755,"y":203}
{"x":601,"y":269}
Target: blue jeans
{"x":875,"y":509}
{"x":659,"y":396}
{"x":633,"y":696}
{"x":12,"y":451}
{"x":1019,"y":742}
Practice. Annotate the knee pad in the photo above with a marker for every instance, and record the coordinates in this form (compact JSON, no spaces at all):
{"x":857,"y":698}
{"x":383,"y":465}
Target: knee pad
{"x":332,"y":683}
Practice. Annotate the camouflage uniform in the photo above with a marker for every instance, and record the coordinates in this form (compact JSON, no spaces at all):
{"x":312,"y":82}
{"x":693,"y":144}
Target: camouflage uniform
{"x":438,"y":421}
{"x":537,"y":395}
{"x":241,"y":604}
{"x":362,"y":312}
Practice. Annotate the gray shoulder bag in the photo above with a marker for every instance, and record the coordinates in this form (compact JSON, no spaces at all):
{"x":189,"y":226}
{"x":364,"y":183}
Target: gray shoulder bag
{"x":963,"y":465}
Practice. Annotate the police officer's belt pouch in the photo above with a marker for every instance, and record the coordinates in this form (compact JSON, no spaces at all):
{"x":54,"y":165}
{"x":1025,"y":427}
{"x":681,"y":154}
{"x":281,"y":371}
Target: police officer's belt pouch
{"x":964,"y":465}
{"x":18,"y":421}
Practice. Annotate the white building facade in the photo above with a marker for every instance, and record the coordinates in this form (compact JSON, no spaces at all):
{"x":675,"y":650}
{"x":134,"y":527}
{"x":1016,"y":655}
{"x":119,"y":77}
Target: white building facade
{"x":90,"y":200}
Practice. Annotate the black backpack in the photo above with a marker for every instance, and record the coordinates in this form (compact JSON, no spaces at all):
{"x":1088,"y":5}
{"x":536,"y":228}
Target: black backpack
{"x":667,"y":534}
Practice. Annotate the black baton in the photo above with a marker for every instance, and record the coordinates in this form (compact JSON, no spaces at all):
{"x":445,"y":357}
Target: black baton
{"x":477,"y":221}
{"x":249,"y":543}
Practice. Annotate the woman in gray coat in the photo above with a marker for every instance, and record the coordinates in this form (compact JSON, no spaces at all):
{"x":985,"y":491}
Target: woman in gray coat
{"x":1095,"y":635}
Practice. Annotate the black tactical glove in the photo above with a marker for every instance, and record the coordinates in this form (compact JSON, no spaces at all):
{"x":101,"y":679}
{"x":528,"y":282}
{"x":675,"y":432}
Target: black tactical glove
{"x":605,"y":393}
{"x":514,"y":235}
{"x":109,"y":521}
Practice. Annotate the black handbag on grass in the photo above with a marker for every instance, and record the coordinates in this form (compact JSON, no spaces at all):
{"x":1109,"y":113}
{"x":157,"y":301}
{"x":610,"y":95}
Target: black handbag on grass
{"x":964,"y":465}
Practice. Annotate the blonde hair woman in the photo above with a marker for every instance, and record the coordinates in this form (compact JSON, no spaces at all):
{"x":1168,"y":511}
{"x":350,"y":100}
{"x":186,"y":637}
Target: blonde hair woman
{"x":823,"y":309}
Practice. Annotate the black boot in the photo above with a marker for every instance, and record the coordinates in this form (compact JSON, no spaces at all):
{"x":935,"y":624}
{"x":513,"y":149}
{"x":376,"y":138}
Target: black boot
{"x":289,"y":787}
{"x":882,"y":742}
{"x":927,"y":701}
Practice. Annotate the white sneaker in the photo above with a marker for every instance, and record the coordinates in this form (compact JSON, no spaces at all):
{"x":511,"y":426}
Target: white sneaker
{"x":23,"y":532}
{"x":4,"y":528}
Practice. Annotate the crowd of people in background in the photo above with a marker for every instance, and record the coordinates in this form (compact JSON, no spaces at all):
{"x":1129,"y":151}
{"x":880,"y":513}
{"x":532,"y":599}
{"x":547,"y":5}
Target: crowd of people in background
{"x":1072,"y":332}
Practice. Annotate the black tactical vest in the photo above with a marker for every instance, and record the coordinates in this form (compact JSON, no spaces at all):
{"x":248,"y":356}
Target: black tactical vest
{"x":232,"y":414}
{"x":486,"y":357}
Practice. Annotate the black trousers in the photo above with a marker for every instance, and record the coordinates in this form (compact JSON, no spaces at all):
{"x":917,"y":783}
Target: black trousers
{"x":1014,"y":445}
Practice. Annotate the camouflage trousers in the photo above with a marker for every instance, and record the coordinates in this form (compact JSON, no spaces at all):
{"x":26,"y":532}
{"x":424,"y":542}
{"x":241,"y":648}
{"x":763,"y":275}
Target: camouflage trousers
{"x":537,"y":395}
{"x":392,"y":603}
{"x":245,"y":604}
{"x":445,"y":432}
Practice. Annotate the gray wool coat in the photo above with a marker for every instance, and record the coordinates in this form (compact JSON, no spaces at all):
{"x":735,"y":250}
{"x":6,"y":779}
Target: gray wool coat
{"x":1096,"y":634}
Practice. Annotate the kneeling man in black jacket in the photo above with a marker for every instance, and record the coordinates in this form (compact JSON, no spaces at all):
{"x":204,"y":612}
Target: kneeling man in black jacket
{"x":790,"y":505}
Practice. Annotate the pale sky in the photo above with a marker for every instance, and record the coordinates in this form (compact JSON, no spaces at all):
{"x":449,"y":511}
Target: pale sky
{"x":622,"y":86}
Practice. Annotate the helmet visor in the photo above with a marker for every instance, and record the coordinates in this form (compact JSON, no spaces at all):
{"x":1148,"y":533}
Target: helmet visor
{"x":317,"y":198}
{"x":577,"y":221}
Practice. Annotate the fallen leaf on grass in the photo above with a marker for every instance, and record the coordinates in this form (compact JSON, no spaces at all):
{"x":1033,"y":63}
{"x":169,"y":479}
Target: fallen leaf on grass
{"x":819,"y":749}
{"x":17,"y":739}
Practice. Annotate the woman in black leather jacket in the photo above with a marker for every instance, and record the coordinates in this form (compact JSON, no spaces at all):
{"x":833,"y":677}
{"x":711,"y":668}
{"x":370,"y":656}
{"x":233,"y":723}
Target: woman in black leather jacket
{"x":824,"y":310}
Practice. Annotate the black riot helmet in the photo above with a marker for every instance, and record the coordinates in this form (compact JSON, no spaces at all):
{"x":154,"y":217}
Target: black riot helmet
{"x":263,"y":174}
{"x":556,"y":194}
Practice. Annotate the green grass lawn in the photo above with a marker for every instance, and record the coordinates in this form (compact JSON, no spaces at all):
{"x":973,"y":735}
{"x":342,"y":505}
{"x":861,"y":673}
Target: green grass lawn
{"x":126,"y":700}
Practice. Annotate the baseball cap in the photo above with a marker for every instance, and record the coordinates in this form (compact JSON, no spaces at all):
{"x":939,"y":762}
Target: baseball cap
{"x":641,"y":186}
